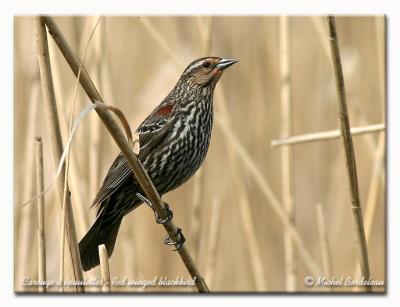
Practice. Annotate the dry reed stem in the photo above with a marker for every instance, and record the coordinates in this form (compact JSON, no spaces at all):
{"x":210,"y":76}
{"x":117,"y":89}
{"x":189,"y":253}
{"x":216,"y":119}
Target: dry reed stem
{"x":319,"y":25}
{"x":56,"y":142}
{"x":104,"y":269}
{"x":349,"y":152}
{"x":40,"y":212}
{"x":326,"y":135}
{"x":286,"y":152}
{"x":323,"y":242}
{"x":138,"y":170}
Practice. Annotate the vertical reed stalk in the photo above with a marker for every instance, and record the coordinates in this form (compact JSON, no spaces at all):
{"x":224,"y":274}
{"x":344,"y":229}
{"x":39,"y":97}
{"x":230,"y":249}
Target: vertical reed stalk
{"x":286,"y":151}
{"x":104,"y":269}
{"x":56,"y":142}
{"x":40,"y":211}
{"x":349,"y":152}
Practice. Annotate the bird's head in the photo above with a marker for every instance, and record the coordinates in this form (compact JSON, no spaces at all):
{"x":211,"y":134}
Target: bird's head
{"x":206,"y":71}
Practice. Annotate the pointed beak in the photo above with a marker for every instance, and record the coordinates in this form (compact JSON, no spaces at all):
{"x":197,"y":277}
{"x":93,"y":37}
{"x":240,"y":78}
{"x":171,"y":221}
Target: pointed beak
{"x":225,"y":63}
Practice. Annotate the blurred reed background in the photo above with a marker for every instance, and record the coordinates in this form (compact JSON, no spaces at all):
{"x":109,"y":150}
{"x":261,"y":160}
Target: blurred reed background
{"x":226,"y":211}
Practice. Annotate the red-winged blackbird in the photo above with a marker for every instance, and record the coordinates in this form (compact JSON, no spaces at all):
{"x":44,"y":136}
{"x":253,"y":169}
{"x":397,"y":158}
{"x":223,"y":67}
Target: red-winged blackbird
{"x":173,"y":140}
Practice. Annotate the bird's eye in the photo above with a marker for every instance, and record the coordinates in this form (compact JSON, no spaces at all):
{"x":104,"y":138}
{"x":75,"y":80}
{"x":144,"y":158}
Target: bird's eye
{"x":206,"y":64}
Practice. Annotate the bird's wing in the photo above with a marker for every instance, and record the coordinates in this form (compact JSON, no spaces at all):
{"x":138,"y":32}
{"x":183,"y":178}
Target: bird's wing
{"x":151,"y":132}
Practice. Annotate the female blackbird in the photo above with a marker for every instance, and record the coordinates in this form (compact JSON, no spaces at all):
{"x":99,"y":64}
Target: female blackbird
{"x":173,"y":140}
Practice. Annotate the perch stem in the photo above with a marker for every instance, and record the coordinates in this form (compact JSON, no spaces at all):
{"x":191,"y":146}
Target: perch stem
{"x":349,"y":152}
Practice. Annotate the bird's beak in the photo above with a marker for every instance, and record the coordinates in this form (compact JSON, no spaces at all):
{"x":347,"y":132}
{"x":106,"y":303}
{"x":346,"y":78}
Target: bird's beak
{"x":225,"y":63}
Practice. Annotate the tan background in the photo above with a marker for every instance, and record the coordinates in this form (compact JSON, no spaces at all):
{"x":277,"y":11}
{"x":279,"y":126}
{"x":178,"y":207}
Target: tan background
{"x":134,"y":62}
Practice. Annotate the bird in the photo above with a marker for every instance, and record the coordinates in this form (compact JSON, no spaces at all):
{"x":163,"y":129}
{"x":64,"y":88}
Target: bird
{"x":173,"y":142}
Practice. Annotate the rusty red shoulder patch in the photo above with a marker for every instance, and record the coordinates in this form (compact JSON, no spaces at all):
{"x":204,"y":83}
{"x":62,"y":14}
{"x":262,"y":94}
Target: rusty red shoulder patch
{"x":164,"y":110}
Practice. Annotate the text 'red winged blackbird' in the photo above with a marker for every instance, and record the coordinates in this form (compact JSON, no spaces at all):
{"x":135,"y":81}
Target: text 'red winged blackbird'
{"x":173,"y":140}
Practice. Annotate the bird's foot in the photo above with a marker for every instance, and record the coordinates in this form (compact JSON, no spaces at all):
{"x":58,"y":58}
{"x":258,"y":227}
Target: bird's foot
{"x":179,"y":242}
{"x":169,"y":214}
{"x":159,"y":220}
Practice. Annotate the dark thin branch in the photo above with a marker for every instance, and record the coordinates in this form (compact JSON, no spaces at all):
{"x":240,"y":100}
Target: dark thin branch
{"x":51,"y":114}
{"x":117,"y":134}
{"x":349,"y":152}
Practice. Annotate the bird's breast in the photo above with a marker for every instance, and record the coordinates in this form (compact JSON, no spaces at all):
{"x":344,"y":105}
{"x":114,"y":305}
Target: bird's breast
{"x":185,"y":148}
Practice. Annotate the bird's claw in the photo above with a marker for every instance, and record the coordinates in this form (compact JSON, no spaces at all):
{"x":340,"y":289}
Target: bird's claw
{"x":169,"y":214}
{"x":159,"y":220}
{"x":179,"y":242}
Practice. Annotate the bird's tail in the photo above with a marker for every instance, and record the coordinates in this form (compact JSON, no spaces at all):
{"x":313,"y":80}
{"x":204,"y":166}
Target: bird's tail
{"x":98,"y":234}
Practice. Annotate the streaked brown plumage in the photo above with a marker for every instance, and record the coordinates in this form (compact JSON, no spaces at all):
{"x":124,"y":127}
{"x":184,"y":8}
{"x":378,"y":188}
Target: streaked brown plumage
{"x":174,"y":141}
